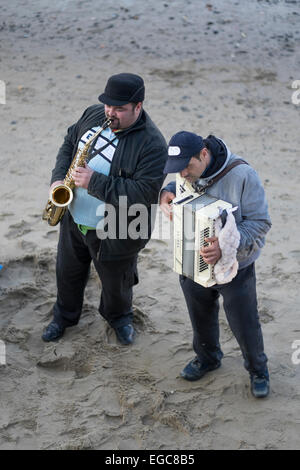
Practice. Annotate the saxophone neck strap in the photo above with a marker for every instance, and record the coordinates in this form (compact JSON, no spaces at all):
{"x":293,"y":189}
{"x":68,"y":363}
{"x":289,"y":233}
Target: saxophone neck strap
{"x":92,"y":152}
{"x":92,"y":142}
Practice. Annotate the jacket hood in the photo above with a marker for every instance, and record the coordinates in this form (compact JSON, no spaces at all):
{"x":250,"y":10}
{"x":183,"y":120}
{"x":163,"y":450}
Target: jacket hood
{"x":220,"y":154}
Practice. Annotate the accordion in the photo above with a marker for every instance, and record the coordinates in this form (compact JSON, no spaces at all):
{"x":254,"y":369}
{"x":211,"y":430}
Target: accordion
{"x":194,"y":216}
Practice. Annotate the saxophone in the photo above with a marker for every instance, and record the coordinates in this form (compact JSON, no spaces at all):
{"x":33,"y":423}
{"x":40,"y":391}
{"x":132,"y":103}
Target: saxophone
{"x":61,"y":195}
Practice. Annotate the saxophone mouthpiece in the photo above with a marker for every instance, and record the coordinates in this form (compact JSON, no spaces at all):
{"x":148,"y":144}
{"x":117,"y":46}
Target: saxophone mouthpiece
{"x":106,"y":123}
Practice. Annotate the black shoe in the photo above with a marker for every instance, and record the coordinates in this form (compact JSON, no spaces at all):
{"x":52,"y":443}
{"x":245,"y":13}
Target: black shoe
{"x":53,"y":331}
{"x":195,"y":370}
{"x":260,"y":385}
{"x":125,"y":334}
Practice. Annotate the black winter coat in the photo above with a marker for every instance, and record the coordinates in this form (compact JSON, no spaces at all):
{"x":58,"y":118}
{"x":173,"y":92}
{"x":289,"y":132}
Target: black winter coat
{"x":136,"y":172}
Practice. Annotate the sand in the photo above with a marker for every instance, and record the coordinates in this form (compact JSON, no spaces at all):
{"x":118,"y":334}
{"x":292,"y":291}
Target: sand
{"x":220,"y":67}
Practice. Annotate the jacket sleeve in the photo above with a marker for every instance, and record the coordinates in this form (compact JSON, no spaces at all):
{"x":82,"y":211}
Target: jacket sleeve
{"x":142,"y":187}
{"x":256,"y":221}
{"x":171,"y":187}
{"x":65,"y":153}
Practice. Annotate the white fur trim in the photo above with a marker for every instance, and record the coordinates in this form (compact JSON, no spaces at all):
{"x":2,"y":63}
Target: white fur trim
{"x":229,"y":239}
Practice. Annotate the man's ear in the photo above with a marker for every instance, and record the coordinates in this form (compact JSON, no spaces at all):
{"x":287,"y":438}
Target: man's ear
{"x":204,"y":154}
{"x":139,"y":106}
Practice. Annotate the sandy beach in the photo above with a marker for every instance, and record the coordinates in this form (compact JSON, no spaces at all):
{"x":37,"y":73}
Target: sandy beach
{"x":225,"y":68}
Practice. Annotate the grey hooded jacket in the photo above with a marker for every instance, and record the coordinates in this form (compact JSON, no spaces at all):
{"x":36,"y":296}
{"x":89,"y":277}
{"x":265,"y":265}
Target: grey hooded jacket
{"x":241,"y":187}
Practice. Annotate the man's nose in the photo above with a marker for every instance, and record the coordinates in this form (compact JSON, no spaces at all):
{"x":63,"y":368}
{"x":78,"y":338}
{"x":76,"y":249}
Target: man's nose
{"x":109,"y":111}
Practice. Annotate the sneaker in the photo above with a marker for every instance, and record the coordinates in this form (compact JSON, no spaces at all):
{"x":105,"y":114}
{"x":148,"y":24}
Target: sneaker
{"x":195,"y":370}
{"x":53,"y":332}
{"x":125,"y":334}
{"x":260,"y":385}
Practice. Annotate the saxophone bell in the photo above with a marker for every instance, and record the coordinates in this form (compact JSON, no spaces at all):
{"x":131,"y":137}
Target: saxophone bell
{"x":61,"y":195}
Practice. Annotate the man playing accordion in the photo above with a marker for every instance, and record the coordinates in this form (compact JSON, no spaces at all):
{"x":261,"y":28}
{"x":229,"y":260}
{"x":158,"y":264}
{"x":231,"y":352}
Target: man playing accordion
{"x":203,"y":163}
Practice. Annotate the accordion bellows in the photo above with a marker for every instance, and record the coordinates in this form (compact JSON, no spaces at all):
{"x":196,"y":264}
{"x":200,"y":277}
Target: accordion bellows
{"x":197,"y":217}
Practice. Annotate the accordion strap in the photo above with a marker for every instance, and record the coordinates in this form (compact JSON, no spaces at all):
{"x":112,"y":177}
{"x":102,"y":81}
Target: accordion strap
{"x":220,"y":175}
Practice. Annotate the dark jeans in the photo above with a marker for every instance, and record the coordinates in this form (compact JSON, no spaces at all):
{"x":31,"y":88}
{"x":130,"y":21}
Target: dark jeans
{"x":240,"y":305}
{"x":74,"y":256}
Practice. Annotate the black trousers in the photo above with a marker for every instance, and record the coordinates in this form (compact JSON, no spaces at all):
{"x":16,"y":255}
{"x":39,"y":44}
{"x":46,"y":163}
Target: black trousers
{"x":74,"y":255}
{"x":240,"y":305}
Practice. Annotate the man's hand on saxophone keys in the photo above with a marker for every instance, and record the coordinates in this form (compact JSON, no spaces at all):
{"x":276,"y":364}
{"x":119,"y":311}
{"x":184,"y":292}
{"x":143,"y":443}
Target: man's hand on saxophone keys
{"x":82,"y":176}
{"x":211,"y":253}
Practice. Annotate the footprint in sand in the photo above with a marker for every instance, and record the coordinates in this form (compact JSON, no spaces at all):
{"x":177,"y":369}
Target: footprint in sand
{"x":67,"y":357}
{"x":30,"y":247}
{"x":51,"y":235}
{"x":3,"y":215}
{"x":18,"y":230}
{"x":18,"y":272}
{"x":295,"y":254}
{"x":13,"y":334}
{"x":265,"y":314}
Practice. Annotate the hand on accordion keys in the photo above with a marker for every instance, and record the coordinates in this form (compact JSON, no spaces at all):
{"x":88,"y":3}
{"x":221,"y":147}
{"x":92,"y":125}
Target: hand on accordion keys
{"x":211,"y":253}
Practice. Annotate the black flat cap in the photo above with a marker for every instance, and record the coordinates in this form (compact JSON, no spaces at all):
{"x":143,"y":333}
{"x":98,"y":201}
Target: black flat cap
{"x":123,"y":88}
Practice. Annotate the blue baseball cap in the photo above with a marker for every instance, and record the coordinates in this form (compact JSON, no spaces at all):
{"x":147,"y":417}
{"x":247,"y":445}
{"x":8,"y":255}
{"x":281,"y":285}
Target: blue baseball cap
{"x":182,"y":147}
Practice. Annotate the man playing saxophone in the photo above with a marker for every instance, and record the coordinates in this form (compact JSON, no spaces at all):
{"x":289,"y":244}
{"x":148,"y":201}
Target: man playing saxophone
{"x":125,"y":161}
